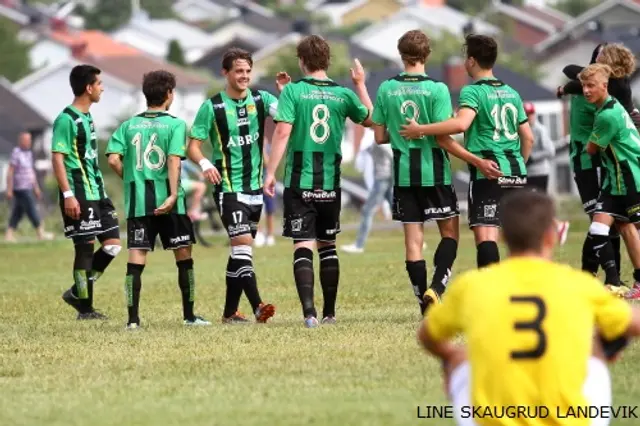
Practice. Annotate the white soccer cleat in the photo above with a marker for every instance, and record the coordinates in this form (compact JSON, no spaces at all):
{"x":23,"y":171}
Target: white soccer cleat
{"x":197,"y":321}
{"x":271,"y":241}
{"x":260,"y":240}
{"x":352,"y":248}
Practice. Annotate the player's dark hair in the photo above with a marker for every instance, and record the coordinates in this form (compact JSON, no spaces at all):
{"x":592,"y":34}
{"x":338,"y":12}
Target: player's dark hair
{"x":525,"y":217}
{"x":414,"y":47}
{"x":82,"y":76}
{"x":483,"y":49}
{"x":156,"y":86}
{"x":234,"y":54}
{"x":315,"y":53}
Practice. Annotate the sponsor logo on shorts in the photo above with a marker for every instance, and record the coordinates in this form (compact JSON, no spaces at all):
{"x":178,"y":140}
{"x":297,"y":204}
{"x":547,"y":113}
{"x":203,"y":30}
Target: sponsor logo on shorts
{"x":68,"y":228}
{"x":138,"y":235}
{"x":296,"y":225}
{"x":437,"y":210}
{"x":490,"y":210}
{"x":331,"y":231}
{"x":589,"y":203}
{"x":180,"y":239}
{"x":507,"y":181}
{"x":240,"y":228}
{"x":87,"y":225}
{"x":319,"y":195}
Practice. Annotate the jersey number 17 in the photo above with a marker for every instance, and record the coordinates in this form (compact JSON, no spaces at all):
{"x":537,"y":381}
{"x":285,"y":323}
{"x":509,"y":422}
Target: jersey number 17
{"x":144,"y":158}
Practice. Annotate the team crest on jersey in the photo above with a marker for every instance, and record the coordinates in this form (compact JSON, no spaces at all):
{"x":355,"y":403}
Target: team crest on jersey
{"x":251,"y":109}
{"x":242,"y":112}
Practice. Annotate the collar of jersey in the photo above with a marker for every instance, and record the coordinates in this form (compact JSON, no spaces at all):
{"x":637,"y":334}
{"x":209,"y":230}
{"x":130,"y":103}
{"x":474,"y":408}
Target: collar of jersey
{"x":487,"y":78}
{"x":316,"y":79}
{"x":77,"y":111}
{"x":238,"y":101}
{"x":414,"y":73}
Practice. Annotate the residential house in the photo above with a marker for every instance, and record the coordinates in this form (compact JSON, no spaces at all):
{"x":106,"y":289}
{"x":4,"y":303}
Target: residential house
{"x":432,"y":16}
{"x":350,"y":12}
{"x":575,"y":43}
{"x":528,"y":24}
{"x":195,"y":11}
{"x":16,"y":116}
{"x":47,"y":89}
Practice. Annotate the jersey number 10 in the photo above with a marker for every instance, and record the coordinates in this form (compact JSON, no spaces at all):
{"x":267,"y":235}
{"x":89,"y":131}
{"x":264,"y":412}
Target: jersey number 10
{"x":500,"y":115}
{"x":144,"y":157}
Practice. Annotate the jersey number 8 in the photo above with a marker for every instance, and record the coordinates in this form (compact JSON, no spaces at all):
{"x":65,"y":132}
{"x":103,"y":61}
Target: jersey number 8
{"x":501,"y":121}
{"x":320,"y":115}
{"x":146,"y":156}
{"x":534,"y":326}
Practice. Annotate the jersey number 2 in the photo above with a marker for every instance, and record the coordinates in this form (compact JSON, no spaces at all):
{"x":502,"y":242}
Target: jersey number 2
{"x":145,"y":157}
{"x":534,"y":326}
{"x":500,"y":115}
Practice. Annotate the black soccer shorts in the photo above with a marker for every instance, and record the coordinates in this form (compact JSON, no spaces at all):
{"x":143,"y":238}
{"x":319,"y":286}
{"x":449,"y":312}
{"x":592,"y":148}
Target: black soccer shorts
{"x":485,"y":196}
{"x":624,"y":208}
{"x":589,"y":183}
{"x":240,"y":211}
{"x":97,"y":218}
{"x":311,"y":214}
{"x":418,"y":204}
{"x":175,"y":231}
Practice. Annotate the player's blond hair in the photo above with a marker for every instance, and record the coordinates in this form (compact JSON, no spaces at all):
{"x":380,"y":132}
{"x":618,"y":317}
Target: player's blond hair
{"x":595,"y":70}
{"x":621,"y":60}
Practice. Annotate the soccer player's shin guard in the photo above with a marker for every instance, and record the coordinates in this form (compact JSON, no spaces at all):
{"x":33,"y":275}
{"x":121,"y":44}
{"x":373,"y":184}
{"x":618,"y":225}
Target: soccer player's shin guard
{"x":600,"y":246}
{"x":329,"y":278}
{"x":417,"y":271}
{"x":303,"y":274}
{"x":488,"y":253}
{"x":132,"y":287}
{"x":187,"y":284}
{"x":443,"y":260}
{"x":101,"y":260}
{"x":82,"y":274}
{"x":238,"y":265}
{"x":589,"y":261}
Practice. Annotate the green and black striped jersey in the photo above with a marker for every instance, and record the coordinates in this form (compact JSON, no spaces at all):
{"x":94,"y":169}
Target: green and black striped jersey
{"x":236,"y":130}
{"x":145,"y":142}
{"x":419,"y":162}
{"x":74,"y":136}
{"x":493,"y":134}
{"x":318,"y":110}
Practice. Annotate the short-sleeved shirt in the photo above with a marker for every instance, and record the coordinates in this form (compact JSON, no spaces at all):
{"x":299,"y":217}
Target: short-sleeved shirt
{"x":23,"y":171}
{"x":145,"y":142}
{"x":318,"y":110}
{"x":581,"y":117}
{"x":615,"y":133}
{"x":529,"y":325}
{"x":235,"y":127}
{"x":418,"y":162}
{"x":74,"y":136}
{"x":493,"y":134}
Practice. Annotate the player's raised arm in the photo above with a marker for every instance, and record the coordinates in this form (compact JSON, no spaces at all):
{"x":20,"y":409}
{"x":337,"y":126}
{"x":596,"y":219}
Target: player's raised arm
{"x":358,"y":77}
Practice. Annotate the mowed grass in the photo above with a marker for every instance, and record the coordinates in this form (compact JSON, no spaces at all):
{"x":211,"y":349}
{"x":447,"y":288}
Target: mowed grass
{"x":366,"y":370}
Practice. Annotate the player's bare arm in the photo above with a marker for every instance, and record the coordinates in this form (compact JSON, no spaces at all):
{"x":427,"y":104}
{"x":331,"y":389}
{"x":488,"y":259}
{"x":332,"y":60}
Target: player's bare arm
{"x":592,"y":148}
{"x":459,"y":124}
{"x":115,"y":163}
{"x":487,"y":167}
{"x":71,"y":205}
{"x":194,"y":152}
{"x":278,"y":147}
{"x":381,"y":134}
{"x":526,"y":140}
{"x":173,"y":164}
{"x":358,"y":77}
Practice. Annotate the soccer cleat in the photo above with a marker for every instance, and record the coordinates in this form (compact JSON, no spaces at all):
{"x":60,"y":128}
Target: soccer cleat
{"x":271,"y":241}
{"x":132,"y":326}
{"x":311,"y":322}
{"x":563,"y":232}
{"x":236,"y":318}
{"x":617,"y":290}
{"x":196,"y":321}
{"x":352,"y":248}
{"x":260,"y":240}
{"x":264,"y":312}
{"x":92,"y":315}
{"x":634,"y":293}
{"x":72,"y":300}
{"x":329,"y":319}
{"x":431,"y":297}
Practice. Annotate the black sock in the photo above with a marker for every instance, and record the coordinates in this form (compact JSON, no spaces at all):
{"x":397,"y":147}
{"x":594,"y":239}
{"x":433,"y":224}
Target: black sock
{"x":636,"y":275}
{"x":82,"y":275}
{"x":600,"y":246}
{"x":417,"y":271}
{"x":187,"y":284}
{"x":488,"y":253}
{"x":132,"y":286}
{"x":101,"y":259}
{"x":248,"y":280}
{"x":235,"y":268}
{"x":615,"y":246}
{"x":329,"y":278}
{"x":443,"y":260}
{"x":590,"y":262}
{"x":303,"y":274}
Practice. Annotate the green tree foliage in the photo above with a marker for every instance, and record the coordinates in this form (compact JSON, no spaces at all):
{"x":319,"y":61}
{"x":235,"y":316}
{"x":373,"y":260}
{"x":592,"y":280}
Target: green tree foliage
{"x":107,"y":15}
{"x":14,"y":54}
{"x":158,"y":9}
{"x":286,"y":60}
{"x":575,"y":7}
{"x":175,"y":53}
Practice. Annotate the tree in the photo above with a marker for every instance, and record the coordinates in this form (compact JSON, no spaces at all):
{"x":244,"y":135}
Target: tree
{"x":14,"y":54}
{"x":108,"y":15}
{"x":158,"y":9}
{"x":575,"y":7}
{"x":286,"y":60}
{"x":175,"y":53}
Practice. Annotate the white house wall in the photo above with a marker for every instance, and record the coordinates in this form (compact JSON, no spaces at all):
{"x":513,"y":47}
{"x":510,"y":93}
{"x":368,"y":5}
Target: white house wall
{"x":46,"y":53}
{"x":551,"y":68}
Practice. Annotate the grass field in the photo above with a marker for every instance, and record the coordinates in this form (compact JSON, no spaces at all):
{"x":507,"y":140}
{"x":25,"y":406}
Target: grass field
{"x":366,"y":370}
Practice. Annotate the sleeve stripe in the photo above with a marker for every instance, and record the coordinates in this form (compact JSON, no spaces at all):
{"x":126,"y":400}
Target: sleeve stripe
{"x":524,"y":121}
{"x":468,"y":106}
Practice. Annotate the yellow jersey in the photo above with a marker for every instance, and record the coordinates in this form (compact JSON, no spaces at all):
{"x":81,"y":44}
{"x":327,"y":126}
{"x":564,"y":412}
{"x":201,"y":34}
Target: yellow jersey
{"x":529,"y":325}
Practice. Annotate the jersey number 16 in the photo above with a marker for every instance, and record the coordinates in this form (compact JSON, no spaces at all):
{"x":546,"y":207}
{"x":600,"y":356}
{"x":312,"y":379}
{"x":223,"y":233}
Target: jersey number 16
{"x":145,"y":157}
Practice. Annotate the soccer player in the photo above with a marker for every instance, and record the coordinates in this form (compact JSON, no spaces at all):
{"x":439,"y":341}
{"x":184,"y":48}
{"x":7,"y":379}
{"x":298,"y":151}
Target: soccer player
{"x":145,"y":151}
{"x":617,"y":140}
{"x":311,"y":116}
{"x":529,"y":324}
{"x":233,"y":120}
{"x":496,"y":129}
{"x":87,"y":212}
{"x":422,"y":171}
